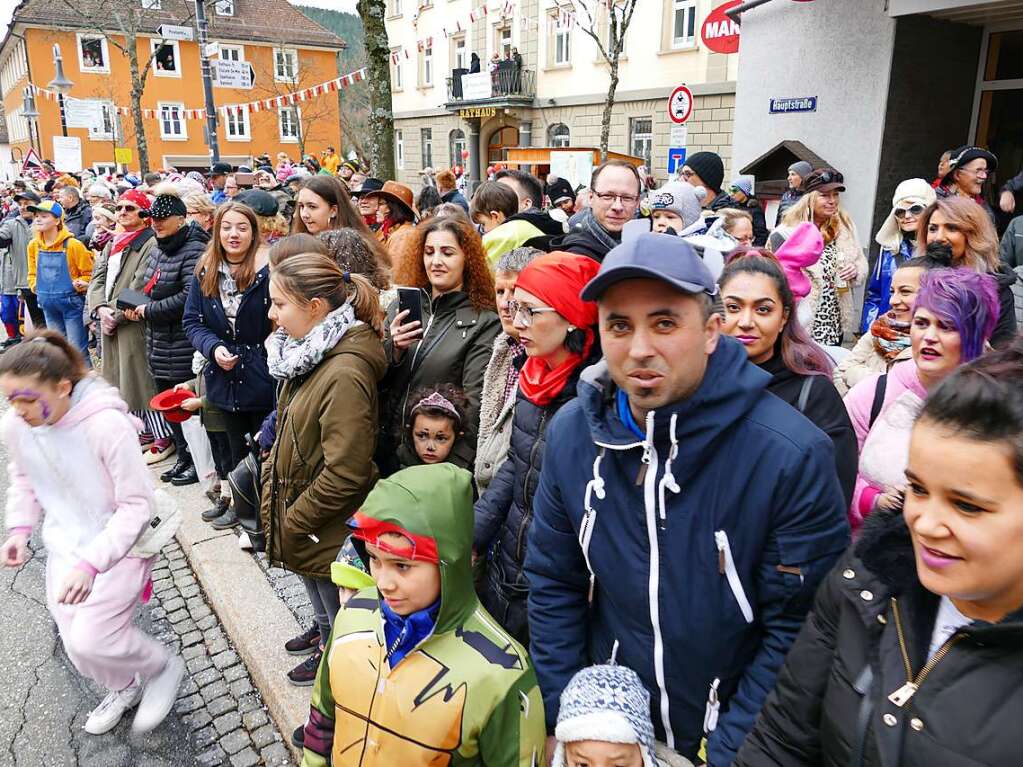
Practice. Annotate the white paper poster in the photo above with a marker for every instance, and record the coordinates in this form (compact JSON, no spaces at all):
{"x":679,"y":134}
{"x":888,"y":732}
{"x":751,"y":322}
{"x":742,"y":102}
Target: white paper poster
{"x":576,"y":167}
{"x":476,"y":86}
{"x":84,"y":113}
{"x":67,"y":153}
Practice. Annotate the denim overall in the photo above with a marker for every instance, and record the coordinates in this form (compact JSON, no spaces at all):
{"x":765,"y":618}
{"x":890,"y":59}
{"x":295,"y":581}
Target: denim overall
{"x":62,"y":305}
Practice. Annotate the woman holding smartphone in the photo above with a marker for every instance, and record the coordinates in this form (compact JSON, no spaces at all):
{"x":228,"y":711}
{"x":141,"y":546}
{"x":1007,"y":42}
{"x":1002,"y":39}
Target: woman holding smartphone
{"x":226,"y":321}
{"x":448,"y":273}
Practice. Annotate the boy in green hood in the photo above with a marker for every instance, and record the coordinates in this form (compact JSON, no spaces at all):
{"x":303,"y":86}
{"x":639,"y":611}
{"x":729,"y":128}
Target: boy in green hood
{"x":416,"y":672}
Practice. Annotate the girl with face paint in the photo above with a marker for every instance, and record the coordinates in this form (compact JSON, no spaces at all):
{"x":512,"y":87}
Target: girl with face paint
{"x":63,"y":419}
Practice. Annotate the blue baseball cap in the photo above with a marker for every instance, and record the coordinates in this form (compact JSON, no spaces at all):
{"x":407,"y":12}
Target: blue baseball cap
{"x":657,"y":257}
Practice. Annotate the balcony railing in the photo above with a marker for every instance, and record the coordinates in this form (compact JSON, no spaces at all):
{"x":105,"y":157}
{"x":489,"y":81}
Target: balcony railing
{"x":506,"y":83}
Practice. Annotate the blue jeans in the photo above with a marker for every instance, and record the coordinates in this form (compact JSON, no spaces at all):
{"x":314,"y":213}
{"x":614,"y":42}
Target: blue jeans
{"x":65,"y":313}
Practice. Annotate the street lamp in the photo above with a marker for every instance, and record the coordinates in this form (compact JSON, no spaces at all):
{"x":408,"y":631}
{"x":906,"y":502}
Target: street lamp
{"x":61,"y":84}
{"x":30,"y":113}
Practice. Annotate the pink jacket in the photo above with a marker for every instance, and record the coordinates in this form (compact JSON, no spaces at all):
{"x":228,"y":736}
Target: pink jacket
{"x":883,"y":447}
{"x":84,"y":476}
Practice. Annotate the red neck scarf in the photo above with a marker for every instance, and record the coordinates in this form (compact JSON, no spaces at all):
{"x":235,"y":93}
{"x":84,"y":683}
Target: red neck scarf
{"x":123,"y":239}
{"x":541,"y":384}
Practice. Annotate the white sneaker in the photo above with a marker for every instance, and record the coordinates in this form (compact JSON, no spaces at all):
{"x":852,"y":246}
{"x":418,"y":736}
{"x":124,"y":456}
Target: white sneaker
{"x":158,"y":696}
{"x":109,"y":712}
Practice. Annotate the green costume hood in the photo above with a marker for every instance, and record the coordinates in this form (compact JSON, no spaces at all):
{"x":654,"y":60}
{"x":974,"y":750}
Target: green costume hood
{"x":432,"y":505}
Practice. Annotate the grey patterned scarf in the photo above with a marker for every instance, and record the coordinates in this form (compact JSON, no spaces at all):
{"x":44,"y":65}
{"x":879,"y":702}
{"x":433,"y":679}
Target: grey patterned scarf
{"x":289,"y":357}
{"x":599,"y":233}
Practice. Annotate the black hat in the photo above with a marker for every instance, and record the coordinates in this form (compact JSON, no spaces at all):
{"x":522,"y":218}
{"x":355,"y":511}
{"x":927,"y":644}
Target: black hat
{"x":560,"y":190}
{"x":967,"y":154}
{"x":29,"y":195}
{"x":369,"y":185}
{"x":220,"y":169}
{"x":263,"y":203}
{"x":709,"y":167}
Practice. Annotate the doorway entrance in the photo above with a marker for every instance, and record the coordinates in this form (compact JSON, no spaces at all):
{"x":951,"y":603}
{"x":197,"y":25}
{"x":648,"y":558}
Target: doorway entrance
{"x":500,"y":140}
{"x":999,"y":107}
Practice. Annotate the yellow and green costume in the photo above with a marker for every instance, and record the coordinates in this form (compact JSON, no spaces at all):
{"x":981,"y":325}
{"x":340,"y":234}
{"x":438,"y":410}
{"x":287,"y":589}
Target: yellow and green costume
{"x":466,"y":694}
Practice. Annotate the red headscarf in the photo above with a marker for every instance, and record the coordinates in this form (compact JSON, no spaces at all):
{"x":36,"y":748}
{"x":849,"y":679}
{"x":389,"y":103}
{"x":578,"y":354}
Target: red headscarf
{"x":557,"y":279}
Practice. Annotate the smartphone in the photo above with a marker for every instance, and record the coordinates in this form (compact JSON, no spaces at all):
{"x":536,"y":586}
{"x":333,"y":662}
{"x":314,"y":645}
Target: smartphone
{"x":412,"y":300}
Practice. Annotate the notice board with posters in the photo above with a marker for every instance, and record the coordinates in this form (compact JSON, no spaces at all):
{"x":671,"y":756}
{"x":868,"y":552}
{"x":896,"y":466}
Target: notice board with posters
{"x":576,"y":167}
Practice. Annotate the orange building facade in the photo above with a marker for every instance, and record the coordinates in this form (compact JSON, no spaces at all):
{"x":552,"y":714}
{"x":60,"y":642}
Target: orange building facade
{"x":173,"y":89}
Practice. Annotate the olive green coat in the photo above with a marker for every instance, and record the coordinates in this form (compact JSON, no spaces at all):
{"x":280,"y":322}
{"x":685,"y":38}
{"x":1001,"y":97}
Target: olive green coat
{"x":124,"y":353}
{"x":320,"y":468}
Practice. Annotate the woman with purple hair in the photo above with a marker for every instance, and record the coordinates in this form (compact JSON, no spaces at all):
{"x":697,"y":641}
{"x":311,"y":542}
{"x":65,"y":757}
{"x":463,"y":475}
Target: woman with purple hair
{"x":954,"y":315}
{"x":760,"y":313}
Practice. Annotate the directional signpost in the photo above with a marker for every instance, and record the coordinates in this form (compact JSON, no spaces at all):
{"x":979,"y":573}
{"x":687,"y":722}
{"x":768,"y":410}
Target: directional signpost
{"x":173,"y":32}
{"x":233,"y":74}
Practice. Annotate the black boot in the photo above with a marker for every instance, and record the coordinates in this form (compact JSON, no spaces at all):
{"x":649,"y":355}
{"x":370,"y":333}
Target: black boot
{"x":188,"y":477}
{"x":219,"y":507}
{"x":183,"y":463}
{"x":225,"y":521}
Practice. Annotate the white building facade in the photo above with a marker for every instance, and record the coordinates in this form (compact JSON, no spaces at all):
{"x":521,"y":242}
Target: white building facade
{"x":893,"y":84}
{"x":555,"y":98}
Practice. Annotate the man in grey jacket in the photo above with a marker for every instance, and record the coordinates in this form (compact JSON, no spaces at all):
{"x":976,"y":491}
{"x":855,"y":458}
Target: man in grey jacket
{"x":15,"y":234}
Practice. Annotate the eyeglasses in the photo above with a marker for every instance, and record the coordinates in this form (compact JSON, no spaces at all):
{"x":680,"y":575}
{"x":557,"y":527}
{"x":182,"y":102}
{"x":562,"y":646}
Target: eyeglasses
{"x":625,"y":199}
{"x":913,"y":210}
{"x":687,"y":174}
{"x":524,"y":314}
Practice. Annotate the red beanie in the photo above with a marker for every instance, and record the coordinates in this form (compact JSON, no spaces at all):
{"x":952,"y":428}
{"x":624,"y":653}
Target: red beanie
{"x":557,"y":279}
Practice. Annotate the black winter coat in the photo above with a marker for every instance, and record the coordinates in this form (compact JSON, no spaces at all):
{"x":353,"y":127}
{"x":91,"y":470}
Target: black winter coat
{"x":76,"y":219}
{"x":824,"y":407}
{"x":966,"y":711}
{"x":168,"y":277}
{"x":505,"y":512}
{"x":1005,"y":330}
{"x":247,"y":387}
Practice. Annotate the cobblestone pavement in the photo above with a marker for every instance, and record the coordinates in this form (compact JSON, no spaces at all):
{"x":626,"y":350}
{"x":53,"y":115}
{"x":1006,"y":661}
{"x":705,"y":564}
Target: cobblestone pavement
{"x":219,"y":718}
{"x":289,"y":588}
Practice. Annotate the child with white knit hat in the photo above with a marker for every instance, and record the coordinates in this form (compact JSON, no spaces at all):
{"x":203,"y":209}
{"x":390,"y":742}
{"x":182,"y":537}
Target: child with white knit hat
{"x":604,"y":719}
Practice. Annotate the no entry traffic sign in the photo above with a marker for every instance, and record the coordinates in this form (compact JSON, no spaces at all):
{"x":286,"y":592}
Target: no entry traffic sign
{"x":680,"y":104}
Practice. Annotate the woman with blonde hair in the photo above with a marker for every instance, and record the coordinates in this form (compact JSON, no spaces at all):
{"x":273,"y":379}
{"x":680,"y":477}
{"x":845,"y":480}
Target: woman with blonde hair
{"x":453,"y":342}
{"x":226,"y":321}
{"x":200,"y":211}
{"x":328,"y":355}
{"x":965,"y":227}
{"x":842,"y":264}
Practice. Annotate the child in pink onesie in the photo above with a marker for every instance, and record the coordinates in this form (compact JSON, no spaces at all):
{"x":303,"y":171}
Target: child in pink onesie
{"x":75,"y":465}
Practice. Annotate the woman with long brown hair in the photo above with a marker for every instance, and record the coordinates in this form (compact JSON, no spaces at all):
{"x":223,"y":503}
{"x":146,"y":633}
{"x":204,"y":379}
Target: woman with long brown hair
{"x":456,"y":292}
{"x":328,"y":355}
{"x":226,"y":321}
{"x":842,"y":264}
{"x":966,"y":228}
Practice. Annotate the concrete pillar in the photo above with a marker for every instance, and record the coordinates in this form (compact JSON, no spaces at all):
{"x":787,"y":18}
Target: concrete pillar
{"x":474,"y":153}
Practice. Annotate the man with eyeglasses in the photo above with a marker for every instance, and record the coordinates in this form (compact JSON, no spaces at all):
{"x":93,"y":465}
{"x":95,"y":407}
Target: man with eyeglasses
{"x":969,"y":168}
{"x":615,"y":190}
{"x":707,"y":169}
{"x":684,"y":515}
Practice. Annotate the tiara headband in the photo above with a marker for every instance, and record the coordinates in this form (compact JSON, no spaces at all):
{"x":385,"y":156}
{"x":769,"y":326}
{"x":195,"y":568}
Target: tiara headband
{"x":439,"y":401}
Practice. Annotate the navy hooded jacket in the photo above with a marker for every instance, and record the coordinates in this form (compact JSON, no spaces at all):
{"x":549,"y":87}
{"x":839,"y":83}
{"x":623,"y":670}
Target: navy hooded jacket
{"x":705,"y":541}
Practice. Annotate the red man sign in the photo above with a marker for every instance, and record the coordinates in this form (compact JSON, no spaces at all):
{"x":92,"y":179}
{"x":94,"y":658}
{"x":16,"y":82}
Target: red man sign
{"x":720,"y":34}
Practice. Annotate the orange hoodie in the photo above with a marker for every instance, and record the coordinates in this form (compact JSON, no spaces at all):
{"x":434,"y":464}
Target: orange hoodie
{"x":79,"y":257}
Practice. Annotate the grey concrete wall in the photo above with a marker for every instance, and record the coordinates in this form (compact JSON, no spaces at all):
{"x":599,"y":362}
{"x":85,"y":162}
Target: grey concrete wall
{"x":837,"y":50}
{"x":930,"y":101}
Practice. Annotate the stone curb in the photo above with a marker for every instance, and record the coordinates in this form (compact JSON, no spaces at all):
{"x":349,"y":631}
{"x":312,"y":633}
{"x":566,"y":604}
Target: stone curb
{"x":254,"y":618}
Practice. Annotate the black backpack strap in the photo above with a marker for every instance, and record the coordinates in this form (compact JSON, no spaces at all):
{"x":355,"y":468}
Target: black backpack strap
{"x":804,"y":394}
{"x":878,"y":403}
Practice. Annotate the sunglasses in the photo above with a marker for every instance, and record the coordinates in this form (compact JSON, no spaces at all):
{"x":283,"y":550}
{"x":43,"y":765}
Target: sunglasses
{"x":913,"y":210}
{"x":125,"y":208}
{"x":827,"y":177}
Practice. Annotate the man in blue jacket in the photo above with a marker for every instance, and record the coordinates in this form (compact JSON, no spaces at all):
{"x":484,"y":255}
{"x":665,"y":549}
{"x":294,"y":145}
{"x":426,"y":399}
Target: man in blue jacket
{"x":686,"y":535}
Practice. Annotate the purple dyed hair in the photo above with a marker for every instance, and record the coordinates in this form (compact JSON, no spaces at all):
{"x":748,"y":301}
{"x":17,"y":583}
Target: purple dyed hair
{"x":966,"y":300}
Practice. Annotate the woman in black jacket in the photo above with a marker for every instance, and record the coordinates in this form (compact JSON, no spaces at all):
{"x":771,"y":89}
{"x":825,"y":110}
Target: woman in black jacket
{"x":913,"y":653}
{"x":759,"y":311}
{"x":168,"y":277}
{"x":226,"y":321}
{"x":556,"y":328}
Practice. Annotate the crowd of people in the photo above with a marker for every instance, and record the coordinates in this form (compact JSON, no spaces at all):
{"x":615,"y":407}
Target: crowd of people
{"x":613,"y":475}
